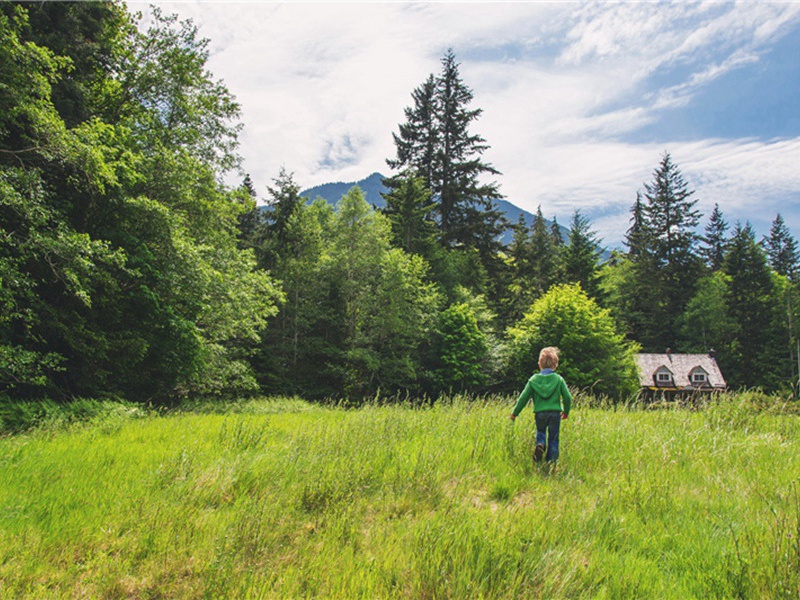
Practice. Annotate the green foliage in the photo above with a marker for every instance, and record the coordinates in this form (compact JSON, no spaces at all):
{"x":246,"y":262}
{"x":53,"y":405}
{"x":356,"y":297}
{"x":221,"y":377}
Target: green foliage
{"x":460,"y":349}
{"x":409,"y":209}
{"x":118,"y":250}
{"x":753,"y":307}
{"x":594,"y":354}
{"x":781,"y":247}
{"x":436,"y":142}
{"x":665,"y":265}
{"x":706,"y":323}
{"x":581,"y":255}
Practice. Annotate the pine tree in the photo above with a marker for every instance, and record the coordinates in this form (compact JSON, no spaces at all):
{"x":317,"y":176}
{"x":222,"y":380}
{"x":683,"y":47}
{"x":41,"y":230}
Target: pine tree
{"x":419,"y":139}
{"x":671,"y":216}
{"x":714,"y":240}
{"x":754,"y":360}
{"x":409,"y":209}
{"x":637,"y":234}
{"x":543,"y":261}
{"x":666,"y":267}
{"x":518,"y":289}
{"x":581,"y":255}
{"x":284,"y":202}
{"x":781,"y":248}
{"x":251,"y":221}
{"x":436,"y":141}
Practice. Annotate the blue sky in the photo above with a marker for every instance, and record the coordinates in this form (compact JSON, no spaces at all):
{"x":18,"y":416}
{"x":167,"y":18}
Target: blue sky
{"x":580,"y":99}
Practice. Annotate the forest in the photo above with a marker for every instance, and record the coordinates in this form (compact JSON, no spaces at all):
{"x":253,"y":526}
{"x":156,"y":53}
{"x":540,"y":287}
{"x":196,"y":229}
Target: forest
{"x":131,"y":270}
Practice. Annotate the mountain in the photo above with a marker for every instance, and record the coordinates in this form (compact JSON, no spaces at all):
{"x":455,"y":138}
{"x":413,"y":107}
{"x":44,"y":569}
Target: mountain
{"x":373,"y":187}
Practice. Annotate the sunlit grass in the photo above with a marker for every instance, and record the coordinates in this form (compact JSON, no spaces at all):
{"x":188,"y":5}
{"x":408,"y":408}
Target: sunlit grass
{"x":279,"y":498}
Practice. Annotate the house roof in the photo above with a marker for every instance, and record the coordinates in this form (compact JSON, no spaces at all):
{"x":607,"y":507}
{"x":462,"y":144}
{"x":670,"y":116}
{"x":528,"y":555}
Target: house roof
{"x":681,"y":366}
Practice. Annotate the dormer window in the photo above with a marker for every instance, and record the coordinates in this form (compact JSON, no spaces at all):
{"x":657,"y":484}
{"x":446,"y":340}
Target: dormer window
{"x":698,"y":376}
{"x":663,"y":376}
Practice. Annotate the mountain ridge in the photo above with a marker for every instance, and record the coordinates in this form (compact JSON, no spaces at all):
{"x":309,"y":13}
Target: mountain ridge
{"x":373,"y":187}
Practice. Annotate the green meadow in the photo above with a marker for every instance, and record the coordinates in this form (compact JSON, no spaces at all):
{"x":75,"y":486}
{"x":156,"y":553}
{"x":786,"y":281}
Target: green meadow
{"x":279,"y":498}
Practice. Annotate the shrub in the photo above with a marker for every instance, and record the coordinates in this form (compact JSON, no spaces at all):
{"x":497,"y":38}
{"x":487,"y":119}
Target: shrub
{"x":594,"y":354}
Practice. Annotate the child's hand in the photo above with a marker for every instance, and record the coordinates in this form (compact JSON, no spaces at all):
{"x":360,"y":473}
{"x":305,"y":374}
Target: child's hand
{"x":513,"y":417}
{"x":564,"y":416}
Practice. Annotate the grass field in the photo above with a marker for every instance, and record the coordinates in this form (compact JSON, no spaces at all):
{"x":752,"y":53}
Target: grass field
{"x":284,"y":499}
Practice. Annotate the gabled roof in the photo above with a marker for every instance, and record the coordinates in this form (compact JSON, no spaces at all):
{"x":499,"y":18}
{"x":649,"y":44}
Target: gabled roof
{"x":681,"y":366}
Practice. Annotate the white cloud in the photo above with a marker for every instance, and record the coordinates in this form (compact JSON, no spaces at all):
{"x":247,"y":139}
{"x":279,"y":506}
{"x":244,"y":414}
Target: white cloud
{"x":323,"y":86}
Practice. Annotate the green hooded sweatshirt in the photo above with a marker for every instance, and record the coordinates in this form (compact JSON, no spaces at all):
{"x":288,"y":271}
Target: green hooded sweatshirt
{"x":548,"y":391}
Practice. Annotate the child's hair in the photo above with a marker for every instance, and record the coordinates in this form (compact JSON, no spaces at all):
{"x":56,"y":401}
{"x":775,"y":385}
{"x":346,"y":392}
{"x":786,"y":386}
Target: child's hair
{"x":548,"y":358}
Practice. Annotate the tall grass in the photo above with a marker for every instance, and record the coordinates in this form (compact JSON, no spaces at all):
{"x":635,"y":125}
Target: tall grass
{"x":282,"y":499}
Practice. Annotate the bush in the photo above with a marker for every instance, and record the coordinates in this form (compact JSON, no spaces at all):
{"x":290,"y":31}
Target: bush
{"x":594,"y":355}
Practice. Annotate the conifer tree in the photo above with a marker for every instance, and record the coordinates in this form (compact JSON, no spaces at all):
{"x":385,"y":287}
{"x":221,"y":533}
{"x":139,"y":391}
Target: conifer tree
{"x":437,"y":142}
{"x":781,"y":248}
{"x":409,"y":209}
{"x":755,"y":358}
{"x":636,"y":236}
{"x":581,"y":255}
{"x":284,"y":203}
{"x":518,"y":289}
{"x":662,"y":243}
{"x":418,"y":142}
{"x":714,"y":240}
{"x":251,"y":221}
{"x":543,"y":256}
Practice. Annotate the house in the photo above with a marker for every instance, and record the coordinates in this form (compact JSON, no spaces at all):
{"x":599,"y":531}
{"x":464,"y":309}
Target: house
{"x":679,"y":373}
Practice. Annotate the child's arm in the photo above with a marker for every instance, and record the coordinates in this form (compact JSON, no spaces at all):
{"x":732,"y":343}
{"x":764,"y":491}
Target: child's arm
{"x":522,"y":401}
{"x":566,"y":398}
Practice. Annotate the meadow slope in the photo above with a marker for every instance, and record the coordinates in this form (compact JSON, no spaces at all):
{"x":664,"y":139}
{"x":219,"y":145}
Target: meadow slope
{"x":284,"y":499}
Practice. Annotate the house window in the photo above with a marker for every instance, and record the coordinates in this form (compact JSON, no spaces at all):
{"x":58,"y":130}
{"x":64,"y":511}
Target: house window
{"x":663,"y":377}
{"x":698,"y":377}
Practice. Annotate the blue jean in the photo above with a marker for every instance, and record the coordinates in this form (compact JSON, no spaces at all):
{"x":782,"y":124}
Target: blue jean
{"x":548,"y":425}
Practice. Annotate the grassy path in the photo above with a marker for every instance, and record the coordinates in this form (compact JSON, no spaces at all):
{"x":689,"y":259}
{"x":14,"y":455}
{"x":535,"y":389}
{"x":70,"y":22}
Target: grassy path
{"x":287,"y":500}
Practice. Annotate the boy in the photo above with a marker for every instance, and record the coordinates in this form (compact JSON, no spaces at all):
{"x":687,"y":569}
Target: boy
{"x":551,"y":403}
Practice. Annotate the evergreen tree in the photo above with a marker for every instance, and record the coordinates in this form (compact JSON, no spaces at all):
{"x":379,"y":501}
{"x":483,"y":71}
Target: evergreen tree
{"x":781,"y":247}
{"x":636,"y":238}
{"x":543,"y":255}
{"x":410,"y":212}
{"x":671,"y":217}
{"x":519,"y":265}
{"x":662,"y":244}
{"x":284,"y":202}
{"x":754,"y":357}
{"x":418,"y":142}
{"x":581,"y":255}
{"x":251,"y":220}
{"x":714,"y":240}
{"x":436,"y":141}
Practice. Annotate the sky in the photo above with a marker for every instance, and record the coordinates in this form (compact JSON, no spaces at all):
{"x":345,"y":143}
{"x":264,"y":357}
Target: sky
{"x":580,"y":100}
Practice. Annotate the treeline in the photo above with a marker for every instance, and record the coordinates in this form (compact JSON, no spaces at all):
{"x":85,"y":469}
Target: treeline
{"x":128,"y":269}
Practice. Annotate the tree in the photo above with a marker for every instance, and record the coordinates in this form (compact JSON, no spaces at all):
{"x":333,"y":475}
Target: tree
{"x":661,"y":245}
{"x":755,"y":355}
{"x":706,"y":323}
{"x":581,"y":255}
{"x":714,"y":241}
{"x":637,"y":236}
{"x":544,"y":265}
{"x":409,"y":209}
{"x":460,"y":350}
{"x":781,"y":247}
{"x":251,"y":220}
{"x":419,"y":137}
{"x":594,"y":355}
{"x":127,"y":278}
{"x":436,"y":141}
